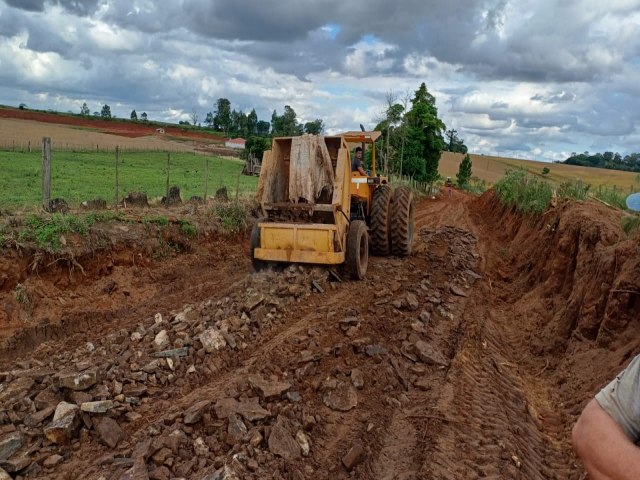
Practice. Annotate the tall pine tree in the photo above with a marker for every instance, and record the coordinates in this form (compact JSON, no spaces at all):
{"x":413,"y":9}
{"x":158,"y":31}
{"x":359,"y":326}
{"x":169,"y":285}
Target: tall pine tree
{"x":424,"y":143}
{"x":464,"y":172}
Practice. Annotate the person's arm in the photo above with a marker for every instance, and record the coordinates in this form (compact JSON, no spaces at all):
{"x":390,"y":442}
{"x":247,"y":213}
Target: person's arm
{"x":602,"y":445}
{"x":361,"y":170}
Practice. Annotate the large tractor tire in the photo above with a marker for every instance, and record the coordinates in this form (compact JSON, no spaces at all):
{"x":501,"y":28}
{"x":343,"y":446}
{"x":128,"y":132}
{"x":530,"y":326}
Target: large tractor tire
{"x":380,"y":230}
{"x":255,"y":243}
{"x":357,"y":250}
{"x":402,"y":224}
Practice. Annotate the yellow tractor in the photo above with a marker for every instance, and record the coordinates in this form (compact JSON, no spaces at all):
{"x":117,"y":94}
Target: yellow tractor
{"x":317,"y":210}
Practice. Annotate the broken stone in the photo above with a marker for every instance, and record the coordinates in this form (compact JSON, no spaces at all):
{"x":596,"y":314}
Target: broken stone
{"x":194,"y":413}
{"x":268,"y":390}
{"x":10,"y":444}
{"x":354,"y":457}
{"x":423,"y":384}
{"x":16,"y":465}
{"x":255,"y":438}
{"x":357,"y":378}
{"x":303,"y":441}
{"x":253,"y":302}
{"x":225,"y":407}
{"x":15,"y":390}
{"x":458,"y":291}
{"x":282,"y":443}
{"x":46,"y":398}
{"x":161,"y":341}
{"x":425,"y":317}
{"x":136,"y":336}
{"x":342,"y":399}
{"x":35,"y":419}
{"x":79,"y":380}
{"x":97,"y":407}
{"x":175,"y":352}
{"x":412,"y":302}
{"x":428,"y":354}
{"x":175,"y":440}
{"x":236,"y":430}
{"x":52,"y":461}
{"x":200,"y":448}
{"x":4,"y":475}
{"x":251,"y":410}
{"x":212,"y":340}
{"x":65,"y":424}
{"x":373,"y":350}
{"x":110,"y":432}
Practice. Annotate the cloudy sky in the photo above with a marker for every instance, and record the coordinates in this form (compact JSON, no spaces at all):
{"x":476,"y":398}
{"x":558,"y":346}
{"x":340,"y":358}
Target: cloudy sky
{"x":534,"y":79}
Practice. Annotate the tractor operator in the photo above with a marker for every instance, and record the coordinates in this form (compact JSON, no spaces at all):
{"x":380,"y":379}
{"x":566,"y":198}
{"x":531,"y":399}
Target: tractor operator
{"x":357,"y":165}
{"x":608,"y":430}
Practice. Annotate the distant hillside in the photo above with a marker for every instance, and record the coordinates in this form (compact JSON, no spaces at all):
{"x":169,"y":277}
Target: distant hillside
{"x":491,"y":169}
{"x":608,"y":160}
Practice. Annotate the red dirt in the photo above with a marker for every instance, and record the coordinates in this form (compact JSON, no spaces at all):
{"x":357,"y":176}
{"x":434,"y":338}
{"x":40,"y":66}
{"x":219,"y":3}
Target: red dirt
{"x":113,"y":127}
{"x":528,"y":318}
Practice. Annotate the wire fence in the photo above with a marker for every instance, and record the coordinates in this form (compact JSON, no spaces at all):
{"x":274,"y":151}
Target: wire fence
{"x":32,"y":176}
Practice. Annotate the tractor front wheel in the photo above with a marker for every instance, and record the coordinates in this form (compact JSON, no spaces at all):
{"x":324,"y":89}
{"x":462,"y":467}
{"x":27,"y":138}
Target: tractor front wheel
{"x":357,"y":250}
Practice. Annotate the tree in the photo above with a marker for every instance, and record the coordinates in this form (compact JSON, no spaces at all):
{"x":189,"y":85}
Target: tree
{"x":144,"y":116}
{"x":424,"y":143}
{"x":287,"y":124}
{"x":464,"y":172}
{"x":208,"y":120}
{"x":546,"y":171}
{"x":84,"y":110}
{"x":222,"y":118}
{"x":252,"y":123}
{"x":194,"y":118}
{"x":22,"y":106}
{"x":455,"y":144}
{"x":315,"y":128}
{"x":134,"y":116}
{"x":106,"y":112}
{"x":262,"y":128}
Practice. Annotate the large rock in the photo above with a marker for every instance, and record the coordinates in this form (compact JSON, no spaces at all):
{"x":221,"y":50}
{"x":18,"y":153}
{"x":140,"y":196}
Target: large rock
{"x":343,"y":398}
{"x":97,"y":407}
{"x":65,"y":424}
{"x":194,"y":413}
{"x":268,"y":389}
{"x":354,"y":457}
{"x":251,"y":410}
{"x":212,"y":340}
{"x":428,"y":354}
{"x":161,"y":341}
{"x":10,"y":444}
{"x":79,"y":380}
{"x":236,"y":429}
{"x":282,"y":443}
{"x":225,"y":407}
{"x":4,"y":475}
{"x":110,"y":432}
{"x":35,"y":419}
{"x":15,"y":390}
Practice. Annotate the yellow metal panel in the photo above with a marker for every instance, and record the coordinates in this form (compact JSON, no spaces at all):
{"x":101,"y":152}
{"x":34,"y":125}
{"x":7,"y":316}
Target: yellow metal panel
{"x":299,"y":256}
{"x":297,"y":237}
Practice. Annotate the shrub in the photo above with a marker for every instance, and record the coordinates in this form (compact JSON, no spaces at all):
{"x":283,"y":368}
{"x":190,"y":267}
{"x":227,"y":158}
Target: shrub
{"x":546,"y":171}
{"x":577,"y":190}
{"x":528,"y":194}
{"x":232,"y":216}
{"x":612,"y":196}
{"x":631,"y":224}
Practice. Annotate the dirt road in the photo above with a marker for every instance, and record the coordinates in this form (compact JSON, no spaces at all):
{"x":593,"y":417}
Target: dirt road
{"x":454,"y":363}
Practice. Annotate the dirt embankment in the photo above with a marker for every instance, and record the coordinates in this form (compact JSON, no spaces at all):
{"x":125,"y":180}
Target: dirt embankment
{"x":470,"y":359}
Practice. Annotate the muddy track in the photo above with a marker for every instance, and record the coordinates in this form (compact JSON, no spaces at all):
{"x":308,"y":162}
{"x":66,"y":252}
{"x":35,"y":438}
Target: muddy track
{"x":424,"y":368}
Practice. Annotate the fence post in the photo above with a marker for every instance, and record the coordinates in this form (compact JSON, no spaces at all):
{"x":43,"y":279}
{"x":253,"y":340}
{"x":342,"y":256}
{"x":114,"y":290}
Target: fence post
{"x":168,"y":168}
{"x":206,"y":178}
{"x":46,"y":172}
{"x":117,"y":177}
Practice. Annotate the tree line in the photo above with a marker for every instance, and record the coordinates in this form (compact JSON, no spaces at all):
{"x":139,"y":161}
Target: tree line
{"x":609,"y":160}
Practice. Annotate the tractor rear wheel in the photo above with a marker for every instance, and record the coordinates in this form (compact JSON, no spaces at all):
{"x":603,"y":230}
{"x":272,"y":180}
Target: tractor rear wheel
{"x":402,"y":224}
{"x":380,"y":231}
{"x":255,"y":243}
{"x":357,"y":250}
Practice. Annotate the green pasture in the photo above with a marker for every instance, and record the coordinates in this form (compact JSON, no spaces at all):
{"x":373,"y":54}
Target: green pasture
{"x":80,"y":176}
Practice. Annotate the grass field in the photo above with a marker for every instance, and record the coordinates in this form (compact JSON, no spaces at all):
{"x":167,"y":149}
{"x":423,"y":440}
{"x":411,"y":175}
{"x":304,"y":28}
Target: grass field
{"x":80,"y":176}
{"x":492,"y":169}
